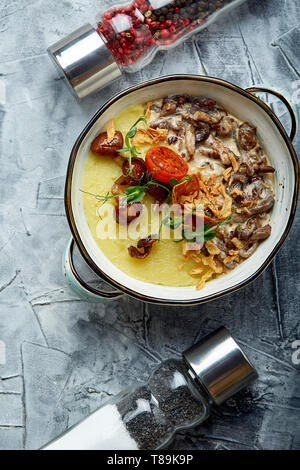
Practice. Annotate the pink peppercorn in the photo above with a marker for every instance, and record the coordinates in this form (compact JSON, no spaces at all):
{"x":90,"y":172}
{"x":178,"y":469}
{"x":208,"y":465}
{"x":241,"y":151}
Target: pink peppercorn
{"x":165,"y":33}
{"x":130,"y":45}
{"x":143,"y":7}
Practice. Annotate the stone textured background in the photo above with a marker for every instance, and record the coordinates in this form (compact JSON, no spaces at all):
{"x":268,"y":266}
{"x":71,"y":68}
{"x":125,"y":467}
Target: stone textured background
{"x":65,"y":357}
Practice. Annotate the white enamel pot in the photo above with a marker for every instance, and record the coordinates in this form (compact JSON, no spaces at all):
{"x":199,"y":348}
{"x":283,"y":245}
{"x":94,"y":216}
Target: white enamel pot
{"x":277,"y":144}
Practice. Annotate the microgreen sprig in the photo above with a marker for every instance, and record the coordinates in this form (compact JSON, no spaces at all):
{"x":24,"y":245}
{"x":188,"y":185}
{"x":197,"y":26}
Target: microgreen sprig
{"x":137,"y":193}
{"x":173,"y":181}
{"x":208,"y":232}
{"x":132,"y":151}
{"x":132,"y":193}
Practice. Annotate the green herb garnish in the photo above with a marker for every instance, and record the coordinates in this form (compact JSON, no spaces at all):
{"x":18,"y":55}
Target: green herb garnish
{"x":137,"y":193}
{"x":132,"y":151}
{"x":207,"y":232}
{"x":99,"y":197}
{"x":132,"y":193}
{"x":173,"y":181}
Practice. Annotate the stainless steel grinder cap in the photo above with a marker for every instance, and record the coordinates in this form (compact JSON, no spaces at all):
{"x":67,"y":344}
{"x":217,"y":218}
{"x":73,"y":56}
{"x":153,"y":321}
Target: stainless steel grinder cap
{"x":220,"y":365}
{"x":85,"y":61}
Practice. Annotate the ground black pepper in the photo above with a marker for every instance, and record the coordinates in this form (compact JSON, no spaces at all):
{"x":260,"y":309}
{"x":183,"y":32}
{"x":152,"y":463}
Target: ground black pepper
{"x":174,"y":393}
{"x":148,"y":416}
{"x":149,"y":430}
{"x":153,"y":412}
{"x":128,"y":403}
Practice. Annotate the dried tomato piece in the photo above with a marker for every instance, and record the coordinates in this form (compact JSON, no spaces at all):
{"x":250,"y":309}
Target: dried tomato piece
{"x":186,"y":188}
{"x":143,"y":248}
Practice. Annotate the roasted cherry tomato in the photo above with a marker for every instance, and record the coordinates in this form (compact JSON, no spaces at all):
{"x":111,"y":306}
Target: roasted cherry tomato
{"x":163,"y":163}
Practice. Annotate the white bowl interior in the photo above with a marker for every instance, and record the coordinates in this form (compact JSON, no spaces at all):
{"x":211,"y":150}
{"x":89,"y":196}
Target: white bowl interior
{"x":274,"y":145}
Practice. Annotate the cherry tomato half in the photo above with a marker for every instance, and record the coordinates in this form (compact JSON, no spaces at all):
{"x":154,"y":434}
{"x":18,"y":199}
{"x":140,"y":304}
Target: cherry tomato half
{"x":163,"y":163}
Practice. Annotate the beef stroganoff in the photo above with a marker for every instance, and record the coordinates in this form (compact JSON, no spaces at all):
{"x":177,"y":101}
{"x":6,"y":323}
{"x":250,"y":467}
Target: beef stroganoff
{"x":189,"y":153}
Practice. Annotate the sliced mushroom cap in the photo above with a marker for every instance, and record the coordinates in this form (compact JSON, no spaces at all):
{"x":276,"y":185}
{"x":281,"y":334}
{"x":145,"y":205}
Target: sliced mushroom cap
{"x":248,"y":251}
{"x":173,"y":123}
{"x":247,"y":231}
{"x":205,"y":117}
{"x":226,"y":126}
{"x":219,"y":148}
{"x":204,"y":103}
{"x":168,"y":108}
{"x":247,"y":136}
{"x":266,"y":169}
{"x":261,"y":233}
{"x":263,"y":206}
{"x":190,"y":140}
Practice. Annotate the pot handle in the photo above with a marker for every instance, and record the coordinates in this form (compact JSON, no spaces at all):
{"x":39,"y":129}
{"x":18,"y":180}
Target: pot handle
{"x":291,"y":107}
{"x":76,"y":283}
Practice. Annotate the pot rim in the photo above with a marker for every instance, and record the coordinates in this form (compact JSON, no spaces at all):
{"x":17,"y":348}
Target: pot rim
{"x":69,"y":176}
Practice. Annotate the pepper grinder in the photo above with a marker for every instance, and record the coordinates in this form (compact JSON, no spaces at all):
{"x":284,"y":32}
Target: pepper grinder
{"x":178,"y":395}
{"x":127,"y":38}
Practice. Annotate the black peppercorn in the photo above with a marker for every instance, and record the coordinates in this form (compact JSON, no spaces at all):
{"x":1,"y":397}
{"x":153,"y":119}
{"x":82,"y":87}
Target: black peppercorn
{"x":184,"y":13}
{"x":203,"y":4}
